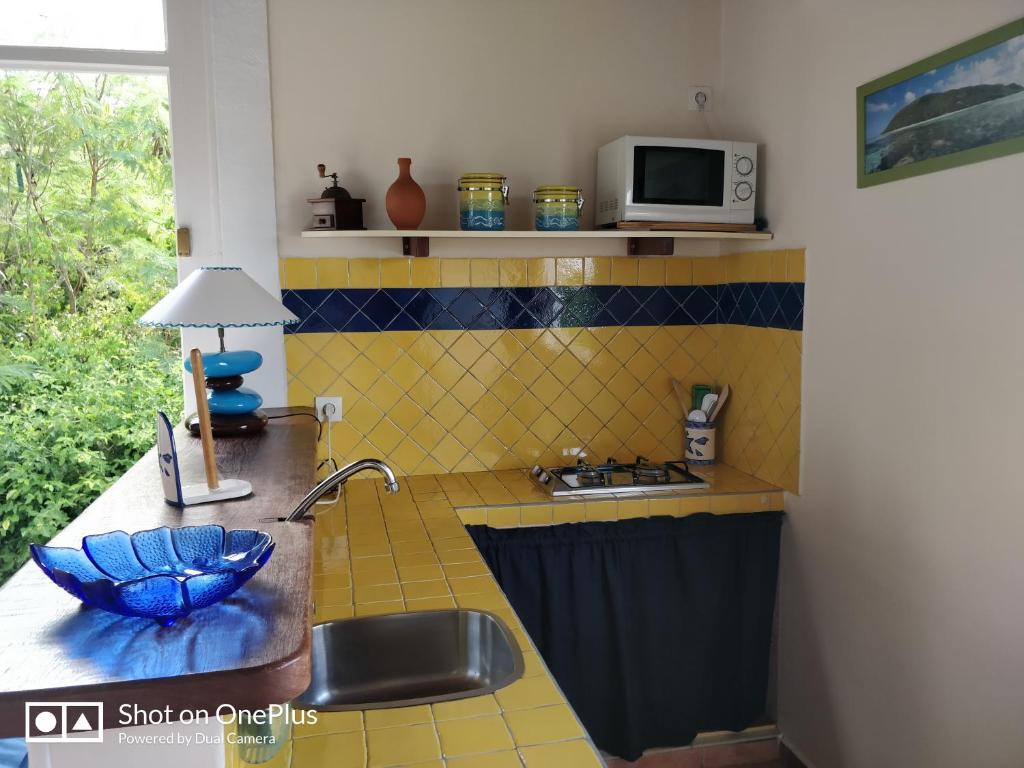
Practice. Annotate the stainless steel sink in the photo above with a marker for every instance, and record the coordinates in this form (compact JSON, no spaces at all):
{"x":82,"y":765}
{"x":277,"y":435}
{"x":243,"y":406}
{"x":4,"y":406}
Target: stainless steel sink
{"x":404,"y":659}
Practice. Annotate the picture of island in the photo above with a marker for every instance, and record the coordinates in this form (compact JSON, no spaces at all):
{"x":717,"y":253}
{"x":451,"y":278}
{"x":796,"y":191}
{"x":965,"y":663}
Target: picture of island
{"x":972,"y":101}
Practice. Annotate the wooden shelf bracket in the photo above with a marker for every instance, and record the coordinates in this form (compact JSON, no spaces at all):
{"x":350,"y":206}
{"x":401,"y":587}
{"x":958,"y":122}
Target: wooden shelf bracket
{"x":415,"y":246}
{"x":650,"y":246}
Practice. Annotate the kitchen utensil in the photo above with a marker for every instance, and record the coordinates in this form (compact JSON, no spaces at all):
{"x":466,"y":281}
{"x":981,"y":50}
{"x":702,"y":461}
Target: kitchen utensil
{"x":186,"y":494}
{"x":720,"y":403}
{"x":698,"y":392}
{"x":684,"y":401}
{"x":697,"y":416}
{"x":336,"y":208}
{"x":203,"y":413}
{"x":708,"y":402}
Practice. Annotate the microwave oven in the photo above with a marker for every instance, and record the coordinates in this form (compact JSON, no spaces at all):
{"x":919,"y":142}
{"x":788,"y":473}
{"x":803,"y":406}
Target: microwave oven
{"x":640,"y":178}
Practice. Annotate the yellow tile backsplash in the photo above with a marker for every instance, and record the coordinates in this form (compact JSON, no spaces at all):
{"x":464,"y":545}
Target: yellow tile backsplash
{"x":760,"y":429}
{"x":461,"y":401}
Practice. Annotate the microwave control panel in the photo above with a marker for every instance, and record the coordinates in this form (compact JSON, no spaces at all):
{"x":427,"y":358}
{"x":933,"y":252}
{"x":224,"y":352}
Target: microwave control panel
{"x":744,"y":173}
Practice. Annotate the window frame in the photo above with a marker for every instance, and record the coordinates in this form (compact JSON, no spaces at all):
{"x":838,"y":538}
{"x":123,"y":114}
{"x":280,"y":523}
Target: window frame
{"x":66,"y":58}
{"x":222,"y":154}
{"x":52,"y":59}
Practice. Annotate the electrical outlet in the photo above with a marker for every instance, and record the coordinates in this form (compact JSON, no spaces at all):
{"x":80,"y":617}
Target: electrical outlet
{"x":328,"y":408}
{"x":700,"y":98}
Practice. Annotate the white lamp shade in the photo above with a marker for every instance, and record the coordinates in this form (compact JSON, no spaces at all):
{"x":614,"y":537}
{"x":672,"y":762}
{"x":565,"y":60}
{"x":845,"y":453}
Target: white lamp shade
{"x":218,"y":297}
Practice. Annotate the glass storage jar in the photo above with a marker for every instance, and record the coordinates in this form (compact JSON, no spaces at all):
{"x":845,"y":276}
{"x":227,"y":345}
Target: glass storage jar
{"x":482,"y":201}
{"x":557,"y":209}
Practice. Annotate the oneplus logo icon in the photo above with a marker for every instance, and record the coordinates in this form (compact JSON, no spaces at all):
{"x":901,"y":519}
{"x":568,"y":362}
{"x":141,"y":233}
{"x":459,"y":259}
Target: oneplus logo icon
{"x":79,"y":721}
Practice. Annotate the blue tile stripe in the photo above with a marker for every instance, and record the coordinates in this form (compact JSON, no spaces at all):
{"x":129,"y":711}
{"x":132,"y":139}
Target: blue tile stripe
{"x":348,"y":310}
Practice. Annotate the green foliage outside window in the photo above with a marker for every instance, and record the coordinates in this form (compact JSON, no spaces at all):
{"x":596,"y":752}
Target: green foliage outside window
{"x":86,"y":246}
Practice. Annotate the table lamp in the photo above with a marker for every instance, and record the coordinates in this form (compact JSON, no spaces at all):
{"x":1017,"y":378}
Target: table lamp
{"x":223,"y":297}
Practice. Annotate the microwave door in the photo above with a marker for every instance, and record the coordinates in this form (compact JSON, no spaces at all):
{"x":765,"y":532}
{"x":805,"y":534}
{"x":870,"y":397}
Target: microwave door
{"x":679,"y":183}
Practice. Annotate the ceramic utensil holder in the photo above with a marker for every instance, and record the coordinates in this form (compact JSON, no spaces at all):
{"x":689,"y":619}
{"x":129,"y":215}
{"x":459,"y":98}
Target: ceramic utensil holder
{"x":699,"y":439}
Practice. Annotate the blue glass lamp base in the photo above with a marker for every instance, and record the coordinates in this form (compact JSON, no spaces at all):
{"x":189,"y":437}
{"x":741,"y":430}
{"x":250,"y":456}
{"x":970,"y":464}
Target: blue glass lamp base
{"x":223,"y":425}
{"x":234,"y":409}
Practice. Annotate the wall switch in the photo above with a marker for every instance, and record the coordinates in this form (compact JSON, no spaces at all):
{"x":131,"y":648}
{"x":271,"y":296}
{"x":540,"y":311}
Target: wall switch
{"x":700,"y":98}
{"x":328,"y":408}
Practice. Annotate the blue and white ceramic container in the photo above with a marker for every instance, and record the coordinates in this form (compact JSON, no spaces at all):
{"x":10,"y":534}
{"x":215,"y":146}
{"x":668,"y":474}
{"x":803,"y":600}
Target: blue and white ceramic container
{"x":482,"y":201}
{"x":699,"y":438}
{"x":557,"y":209}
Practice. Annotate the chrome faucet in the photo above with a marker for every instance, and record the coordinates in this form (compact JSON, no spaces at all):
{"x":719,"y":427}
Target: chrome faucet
{"x":335,"y":479}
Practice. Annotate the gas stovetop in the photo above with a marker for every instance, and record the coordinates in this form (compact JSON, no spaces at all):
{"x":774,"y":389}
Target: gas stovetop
{"x":614,"y":477}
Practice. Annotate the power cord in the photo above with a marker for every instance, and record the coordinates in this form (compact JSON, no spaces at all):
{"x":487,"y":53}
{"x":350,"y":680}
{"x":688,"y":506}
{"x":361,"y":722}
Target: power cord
{"x":319,"y":424}
{"x":329,"y":462}
{"x":328,"y":411}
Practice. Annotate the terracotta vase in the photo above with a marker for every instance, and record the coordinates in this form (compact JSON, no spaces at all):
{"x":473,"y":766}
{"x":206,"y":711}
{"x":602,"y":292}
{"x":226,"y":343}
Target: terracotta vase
{"x":405,"y":202}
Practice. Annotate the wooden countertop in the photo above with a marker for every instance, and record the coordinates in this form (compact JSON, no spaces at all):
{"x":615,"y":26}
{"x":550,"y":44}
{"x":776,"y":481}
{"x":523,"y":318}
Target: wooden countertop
{"x":250,"y":650}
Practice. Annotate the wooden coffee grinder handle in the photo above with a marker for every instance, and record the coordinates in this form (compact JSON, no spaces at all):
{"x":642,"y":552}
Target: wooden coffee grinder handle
{"x":203,"y":412}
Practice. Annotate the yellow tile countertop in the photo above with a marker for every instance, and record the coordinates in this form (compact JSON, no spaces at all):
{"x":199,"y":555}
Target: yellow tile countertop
{"x":509,"y":498}
{"x":378,"y":554}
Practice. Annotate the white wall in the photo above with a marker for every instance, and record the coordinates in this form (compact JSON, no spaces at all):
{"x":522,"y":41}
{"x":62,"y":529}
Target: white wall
{"x":223,"y":163}
{"x":529,"y":88}
{"x":902,"y":617}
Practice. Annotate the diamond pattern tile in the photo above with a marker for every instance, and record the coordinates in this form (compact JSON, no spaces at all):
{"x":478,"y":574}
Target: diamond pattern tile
{"x":477,"y":375}
{"x":760,"y":430}
{"x":424,"y":418}
{"x":367,"y":310}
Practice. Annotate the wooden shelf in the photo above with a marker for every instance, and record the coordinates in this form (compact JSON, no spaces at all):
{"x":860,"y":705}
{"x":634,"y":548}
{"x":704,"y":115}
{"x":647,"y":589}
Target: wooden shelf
{"x":416,"y":242}
{"x":620,"y":234}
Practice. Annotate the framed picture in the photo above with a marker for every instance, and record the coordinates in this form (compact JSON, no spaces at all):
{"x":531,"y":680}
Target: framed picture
{"x":959,"y":106}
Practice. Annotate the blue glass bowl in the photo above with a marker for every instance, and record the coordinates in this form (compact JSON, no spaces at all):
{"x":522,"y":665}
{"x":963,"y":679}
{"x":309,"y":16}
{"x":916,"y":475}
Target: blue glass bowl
{"x":162,"y":574}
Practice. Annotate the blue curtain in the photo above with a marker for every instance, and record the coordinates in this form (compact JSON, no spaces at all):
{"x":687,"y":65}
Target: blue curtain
{"x":655,"y":629}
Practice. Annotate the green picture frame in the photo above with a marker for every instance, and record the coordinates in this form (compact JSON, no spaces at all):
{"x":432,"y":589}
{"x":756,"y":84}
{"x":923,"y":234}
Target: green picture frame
{"x":876,"y":106}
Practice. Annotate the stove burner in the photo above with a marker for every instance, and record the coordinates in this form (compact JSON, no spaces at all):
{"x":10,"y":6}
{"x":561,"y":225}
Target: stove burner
{"x":655,"y":472}
{"x":649,"y":473}
{"x":615,"y":478}
{"x":587,"y":474}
